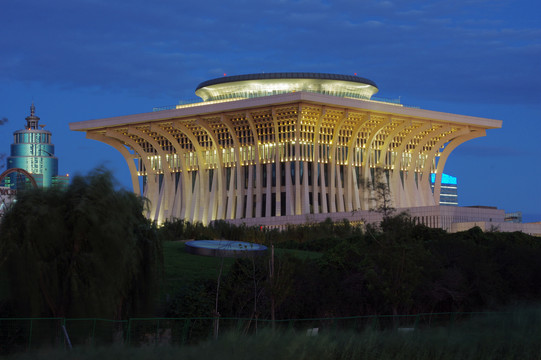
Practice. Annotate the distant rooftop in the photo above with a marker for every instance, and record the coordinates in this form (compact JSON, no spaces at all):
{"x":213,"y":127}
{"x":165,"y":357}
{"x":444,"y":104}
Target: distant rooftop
{"x":264,"y":84}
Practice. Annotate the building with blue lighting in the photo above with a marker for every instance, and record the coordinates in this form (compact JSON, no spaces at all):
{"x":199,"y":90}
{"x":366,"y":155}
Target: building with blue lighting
{"x":449,"y":189}
{"x":33,"y":151}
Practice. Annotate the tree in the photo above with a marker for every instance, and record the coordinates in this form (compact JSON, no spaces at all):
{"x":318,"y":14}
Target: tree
{"x":393,"y":266}
{"x":381,"y":193}
{"x":84,"y":251}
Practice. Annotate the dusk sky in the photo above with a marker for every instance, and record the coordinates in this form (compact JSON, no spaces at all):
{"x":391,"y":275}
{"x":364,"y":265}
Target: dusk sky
{"x":87,"y":59}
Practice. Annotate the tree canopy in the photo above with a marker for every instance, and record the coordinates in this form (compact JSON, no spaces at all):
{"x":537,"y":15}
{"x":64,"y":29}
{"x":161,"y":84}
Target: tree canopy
{"x":83,"y":251}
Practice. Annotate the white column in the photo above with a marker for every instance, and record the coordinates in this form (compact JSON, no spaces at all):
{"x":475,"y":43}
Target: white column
{"x":201,"y":200}
{"x":317,"y":189}
{"x":257,"y":160}
{"x":167,"y":188}
{"x":268,"y":191}
{"x":445,"y":154}
{"x":217,"y":198}
{"x":277,"y":141}
{"x":305,"y":189}
{"x":332,"y":162}
{"x":426,"y":192}
{"x":152,"y":190}
{"x":235,"y":197}
{"x":184,"y":191}
{"x":395,"y":184}
{"x":416,"y":198}
{"x":369,"y":157}
{"x":119,"y":145}
{"x":296,"y":159}
{"x":352,"y":146}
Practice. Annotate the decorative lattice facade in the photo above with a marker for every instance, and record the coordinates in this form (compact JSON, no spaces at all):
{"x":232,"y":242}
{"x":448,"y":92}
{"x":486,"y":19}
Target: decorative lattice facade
{"x":292,"y":153}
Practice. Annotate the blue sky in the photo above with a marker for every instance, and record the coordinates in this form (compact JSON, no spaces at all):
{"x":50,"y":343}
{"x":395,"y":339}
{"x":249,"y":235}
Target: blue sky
{"x":86,"y":59}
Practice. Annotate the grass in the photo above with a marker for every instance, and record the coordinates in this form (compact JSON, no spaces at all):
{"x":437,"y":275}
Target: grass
{"x":301,"y":254}
{"x":511,"y":335}
{"x":181,"y":267}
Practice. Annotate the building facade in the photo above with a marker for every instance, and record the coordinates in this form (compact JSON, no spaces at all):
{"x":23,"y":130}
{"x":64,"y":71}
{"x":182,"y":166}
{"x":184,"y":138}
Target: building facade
{"x":449,"y":189}
{"x":33,"y":151}
{"x":265,"y":146}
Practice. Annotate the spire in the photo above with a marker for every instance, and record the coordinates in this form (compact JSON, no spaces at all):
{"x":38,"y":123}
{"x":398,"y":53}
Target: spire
{"x":32,"y":120}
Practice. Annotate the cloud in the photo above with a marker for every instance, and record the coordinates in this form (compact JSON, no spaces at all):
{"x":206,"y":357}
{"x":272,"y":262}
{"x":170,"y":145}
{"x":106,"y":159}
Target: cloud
{"x":373,"y":23}
{"x":459,"y":50}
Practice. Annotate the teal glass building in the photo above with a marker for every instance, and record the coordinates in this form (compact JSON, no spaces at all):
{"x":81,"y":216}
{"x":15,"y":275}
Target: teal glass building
{"x":33,"y":151}
{"x":449,"y":189}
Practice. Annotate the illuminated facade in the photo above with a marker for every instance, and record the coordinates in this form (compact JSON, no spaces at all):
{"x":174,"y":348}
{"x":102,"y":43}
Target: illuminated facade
{"x":265,"y":146}
{"x":449,"y":189}
{"x":33,"y":151}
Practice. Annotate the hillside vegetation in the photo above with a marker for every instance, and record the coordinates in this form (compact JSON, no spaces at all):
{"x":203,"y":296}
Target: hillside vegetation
{"x":399,"y":267}
{"x":89,"y":252}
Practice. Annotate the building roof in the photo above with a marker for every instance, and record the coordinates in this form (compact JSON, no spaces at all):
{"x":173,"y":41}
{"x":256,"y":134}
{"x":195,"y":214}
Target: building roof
{"x":202,"y":109}
{"x":265,"y":84}
{"x":286,"y":75}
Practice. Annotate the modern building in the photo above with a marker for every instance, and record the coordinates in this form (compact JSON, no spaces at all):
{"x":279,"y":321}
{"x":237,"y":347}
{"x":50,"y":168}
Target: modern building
{"x":33,"y":151}
{"x":286,"y":147}
{"x":449,"y":189}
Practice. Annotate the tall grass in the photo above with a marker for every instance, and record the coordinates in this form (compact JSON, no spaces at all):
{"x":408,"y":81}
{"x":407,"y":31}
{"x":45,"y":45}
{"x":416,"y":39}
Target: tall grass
{"x":511,"y":335}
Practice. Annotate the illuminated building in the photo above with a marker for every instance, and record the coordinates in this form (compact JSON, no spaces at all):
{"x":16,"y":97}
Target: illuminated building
{"x":449,"y":189}
{"x":33,"y":151}
{"x":263,"y":147}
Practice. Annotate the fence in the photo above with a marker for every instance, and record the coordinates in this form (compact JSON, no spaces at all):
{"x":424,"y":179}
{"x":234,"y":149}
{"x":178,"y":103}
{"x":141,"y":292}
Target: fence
{"x":18,"y":334}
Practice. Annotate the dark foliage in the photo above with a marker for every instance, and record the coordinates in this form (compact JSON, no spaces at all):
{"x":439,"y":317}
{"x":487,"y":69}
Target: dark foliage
{"x":82,"y":252}
{"x":399,"y":268}
{"x":90,"y":251}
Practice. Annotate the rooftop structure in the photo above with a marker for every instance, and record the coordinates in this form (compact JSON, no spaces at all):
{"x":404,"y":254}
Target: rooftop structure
{"x":257,"y":85}
{"x":262,"y":147}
